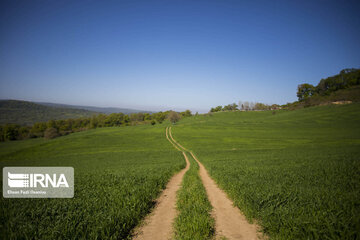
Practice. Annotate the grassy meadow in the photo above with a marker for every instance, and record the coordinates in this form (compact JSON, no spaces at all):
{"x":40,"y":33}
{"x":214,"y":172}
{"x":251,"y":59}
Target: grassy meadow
{"x":119,"y":172}
{"x":296,"y":172}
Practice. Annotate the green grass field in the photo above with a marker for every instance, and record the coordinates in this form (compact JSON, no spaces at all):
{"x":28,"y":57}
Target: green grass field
{"x":119,"y":172}
{"x":296,"y":172}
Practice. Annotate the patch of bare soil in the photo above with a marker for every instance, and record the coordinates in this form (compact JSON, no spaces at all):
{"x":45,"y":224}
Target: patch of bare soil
{"x":341,"y":102}
{"x":229,"y":221}
{"x":159,"y":224}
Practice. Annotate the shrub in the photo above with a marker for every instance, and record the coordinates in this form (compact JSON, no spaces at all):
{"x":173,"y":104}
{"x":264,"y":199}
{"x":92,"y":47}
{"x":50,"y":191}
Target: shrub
{"x":11,"y":132}
{"x":51,"y":133}
{"x":174,"y":117}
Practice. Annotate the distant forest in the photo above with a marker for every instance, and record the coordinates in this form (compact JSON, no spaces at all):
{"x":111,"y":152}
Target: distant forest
{"x":55,"y":128}
{"x":28,"y":113}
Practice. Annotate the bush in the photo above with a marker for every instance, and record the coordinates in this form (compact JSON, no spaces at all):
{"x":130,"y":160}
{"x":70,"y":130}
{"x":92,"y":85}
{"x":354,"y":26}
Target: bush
{"x":11,"y":132}
{"x":51,"y":133}
{"x":174,"y":117}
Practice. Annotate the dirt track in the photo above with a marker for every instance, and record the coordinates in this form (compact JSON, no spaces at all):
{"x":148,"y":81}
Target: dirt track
{"x":159,"y":224}
{"x":229,"y":221}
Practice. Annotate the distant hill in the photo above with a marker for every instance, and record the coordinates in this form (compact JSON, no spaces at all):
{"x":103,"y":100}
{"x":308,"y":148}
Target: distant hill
{"x":106,"y":110}
{"x":27,"y":113}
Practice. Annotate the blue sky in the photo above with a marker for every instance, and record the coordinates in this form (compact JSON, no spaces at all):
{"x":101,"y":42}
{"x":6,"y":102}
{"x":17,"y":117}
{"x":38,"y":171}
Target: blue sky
{"x":158,"y":55}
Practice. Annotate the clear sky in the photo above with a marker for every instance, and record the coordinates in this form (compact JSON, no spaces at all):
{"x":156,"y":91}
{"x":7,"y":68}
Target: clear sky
{"x":158,"y":55}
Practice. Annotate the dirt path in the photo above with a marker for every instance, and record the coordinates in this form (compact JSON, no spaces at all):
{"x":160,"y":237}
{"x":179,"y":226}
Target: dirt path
{"x":229,"y":221}
{"x":159,"y":224}
{"x":167,"y":136}
{"x":183,"y":149}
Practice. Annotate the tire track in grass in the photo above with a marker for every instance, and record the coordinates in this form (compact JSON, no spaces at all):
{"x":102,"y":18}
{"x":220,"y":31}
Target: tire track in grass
{"x":229,"y":221}
{"x":167,"y":136}
{"x":194,"y":221}
{"x":158,"y":225}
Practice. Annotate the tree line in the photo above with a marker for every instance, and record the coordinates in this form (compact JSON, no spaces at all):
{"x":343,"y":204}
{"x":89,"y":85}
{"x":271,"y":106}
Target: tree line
{"x":345,"y":79}
{"x":245,"y":106}
{"x":309,"y":95}
{"x":56,"y":128}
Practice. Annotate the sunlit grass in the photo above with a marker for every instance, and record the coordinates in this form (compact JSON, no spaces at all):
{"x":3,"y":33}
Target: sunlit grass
{"x":119,"y":172}
{"x":296,"y":172}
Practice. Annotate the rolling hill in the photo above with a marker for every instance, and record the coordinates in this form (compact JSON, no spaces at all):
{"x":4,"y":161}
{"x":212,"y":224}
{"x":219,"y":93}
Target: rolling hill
{"x":295,"y":173}
{"x":106,"y":110}
{"x":27,"y":113}
{"x":117,"y":181}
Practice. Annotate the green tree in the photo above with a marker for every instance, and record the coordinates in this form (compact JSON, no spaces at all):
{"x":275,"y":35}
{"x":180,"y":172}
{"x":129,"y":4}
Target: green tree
{"x":11,"y":132}
{"x":218,"y":109}
{"x":159,"y":117}
{"x":93,"y":122}
{"x":304,"y":91}
{"x":261,"y":106}
{"x":51,"y":124}
{"x":101,"y":119}
{"x":23,"y":132}
{"x":38,"y":129}
{"x":230,"y":107}
{"x":147,"y":117}
{"x":114,"y":119}
{"x":126,"y":119}
{"x":137,"y":117}
{"x":234,"y":107}
{"x":2,"y":136}
{"x":186,"y":113}
{"x":345,"y":79}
